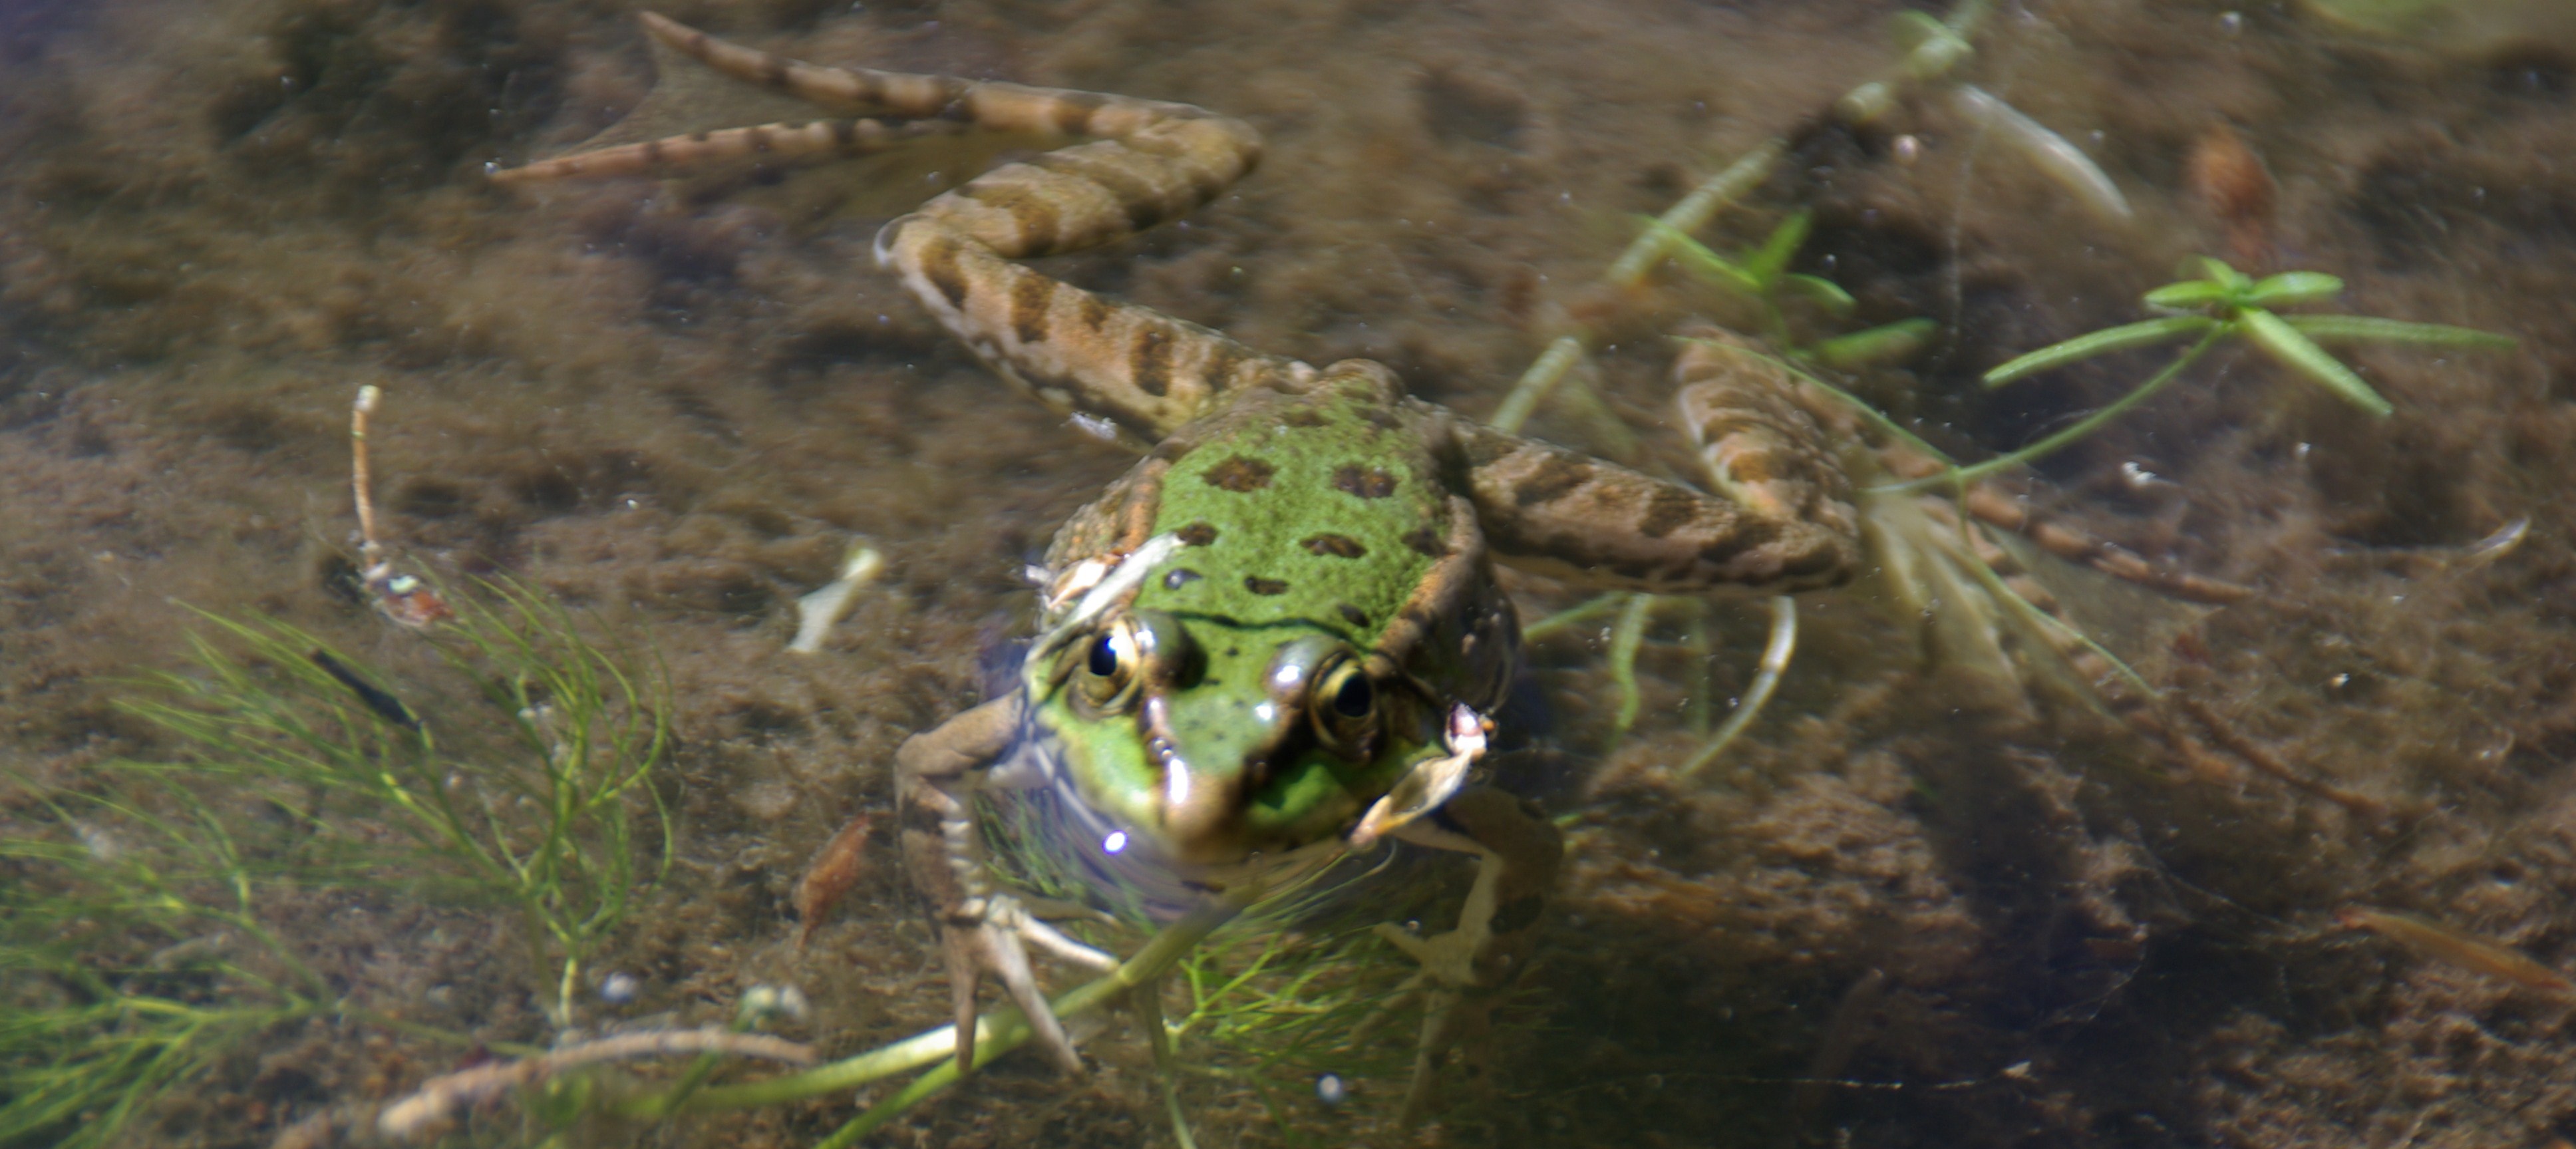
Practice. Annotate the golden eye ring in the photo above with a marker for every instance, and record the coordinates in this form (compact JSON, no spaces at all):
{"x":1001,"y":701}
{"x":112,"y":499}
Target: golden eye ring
{"x":1345,"y":708}
{"x":1108,"y":670}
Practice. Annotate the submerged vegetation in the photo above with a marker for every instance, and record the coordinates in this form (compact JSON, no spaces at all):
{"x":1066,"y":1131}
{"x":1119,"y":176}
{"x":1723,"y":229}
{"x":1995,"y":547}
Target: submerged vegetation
{"x":2223,"y":304}
{"x":158,"y":913}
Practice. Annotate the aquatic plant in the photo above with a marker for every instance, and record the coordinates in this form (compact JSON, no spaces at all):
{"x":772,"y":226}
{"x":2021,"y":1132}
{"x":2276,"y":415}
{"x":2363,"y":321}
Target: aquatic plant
{"x":140,"y":931}
{"x":1762,"y":277}
{"x":2223,"y":304}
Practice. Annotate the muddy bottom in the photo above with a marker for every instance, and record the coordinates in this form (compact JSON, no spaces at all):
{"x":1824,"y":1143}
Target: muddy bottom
{"x":1920,"y":903}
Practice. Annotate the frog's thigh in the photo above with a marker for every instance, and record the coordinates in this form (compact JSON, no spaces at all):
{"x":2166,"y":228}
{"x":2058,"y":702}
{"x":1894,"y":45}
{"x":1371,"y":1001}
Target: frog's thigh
{"x":933,"y":774}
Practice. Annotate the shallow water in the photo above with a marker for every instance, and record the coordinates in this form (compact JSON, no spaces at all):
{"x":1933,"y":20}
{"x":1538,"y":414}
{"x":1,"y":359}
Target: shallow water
{"x":1916,"y":906}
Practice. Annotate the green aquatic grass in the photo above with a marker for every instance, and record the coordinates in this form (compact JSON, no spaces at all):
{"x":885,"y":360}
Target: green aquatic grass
{"x":146,"y":906}
{"x":2223,"y":304}
{"x":1761,"y":277}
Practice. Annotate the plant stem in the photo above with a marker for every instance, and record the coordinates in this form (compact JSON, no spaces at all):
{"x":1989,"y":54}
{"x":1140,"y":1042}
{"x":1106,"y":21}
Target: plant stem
{"x":1960,"y":478}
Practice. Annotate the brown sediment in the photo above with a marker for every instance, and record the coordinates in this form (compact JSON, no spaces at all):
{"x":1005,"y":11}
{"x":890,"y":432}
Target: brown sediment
{"x":672,"y":405}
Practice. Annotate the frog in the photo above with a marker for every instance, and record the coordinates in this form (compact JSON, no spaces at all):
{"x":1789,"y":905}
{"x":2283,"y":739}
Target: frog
{"x":1280,"y":638}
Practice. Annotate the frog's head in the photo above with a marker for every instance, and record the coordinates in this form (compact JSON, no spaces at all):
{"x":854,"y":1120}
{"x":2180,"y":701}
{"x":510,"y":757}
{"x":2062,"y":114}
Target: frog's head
{"x":1209,"y":740}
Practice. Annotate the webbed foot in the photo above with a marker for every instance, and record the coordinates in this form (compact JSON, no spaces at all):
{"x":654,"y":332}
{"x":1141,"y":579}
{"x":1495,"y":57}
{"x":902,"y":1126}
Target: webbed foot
{"x":991,"y":936}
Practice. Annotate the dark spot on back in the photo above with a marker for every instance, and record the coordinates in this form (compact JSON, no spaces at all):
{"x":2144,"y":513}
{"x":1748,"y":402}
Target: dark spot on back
{"x":1073,"y":111}
{"x":939,"y":266}
{"x":1032,"y":214}
{"x":1751,"y":534}
{"x":1149,"y":359}
{"x":845,"y":134}
{"x":1138,"y":198}
{"x":1304,"y":417}
{"x":1668,"y":510}
{"x":1197,"y":534}
{"x":1092,"y":311}
{"x":1426,"y":541}
{"x":1240,"y":473}
{"x":1365,"y":482}
{"x":1554,"y":479}
{"x":1223,"y":357}
{"x":1338,"y":546}
{"x":1486,"y":446}
{"x":773,"y":71}
{"x":1381,"y":418}
{"x":1259,"y":585}
{"x":1179,"y":577}
{"x":1352,"y":615}
{"x":1031,"y":298}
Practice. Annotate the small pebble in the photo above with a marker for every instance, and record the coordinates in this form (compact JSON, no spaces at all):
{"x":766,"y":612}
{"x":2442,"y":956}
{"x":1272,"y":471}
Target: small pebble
{"x":1330,"y":1090}
{"x":619,"y":988}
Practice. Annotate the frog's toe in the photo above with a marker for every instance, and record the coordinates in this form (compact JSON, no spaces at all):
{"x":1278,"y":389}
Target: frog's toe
{"x":996,"y":942}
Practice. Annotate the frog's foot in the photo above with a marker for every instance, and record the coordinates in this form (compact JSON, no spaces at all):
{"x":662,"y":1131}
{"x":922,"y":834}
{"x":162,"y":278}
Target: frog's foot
{"x":991,"y":935}
{"x":1455,"y":1003}
{"x":1465,"y":971}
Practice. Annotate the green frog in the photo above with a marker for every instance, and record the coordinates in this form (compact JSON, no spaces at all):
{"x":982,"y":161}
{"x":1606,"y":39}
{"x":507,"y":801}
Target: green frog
{"x":1278,"y":639}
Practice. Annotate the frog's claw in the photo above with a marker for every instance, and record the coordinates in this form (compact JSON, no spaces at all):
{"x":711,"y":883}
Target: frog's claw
{"x":980,"y":931}
{"x":990,"y":935}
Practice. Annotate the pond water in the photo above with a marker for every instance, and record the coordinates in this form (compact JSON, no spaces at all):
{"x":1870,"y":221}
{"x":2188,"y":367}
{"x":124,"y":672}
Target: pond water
{"x":1924,"y":901}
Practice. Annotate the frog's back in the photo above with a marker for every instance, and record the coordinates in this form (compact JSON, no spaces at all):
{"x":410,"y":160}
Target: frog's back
{"x":1324,"y":507}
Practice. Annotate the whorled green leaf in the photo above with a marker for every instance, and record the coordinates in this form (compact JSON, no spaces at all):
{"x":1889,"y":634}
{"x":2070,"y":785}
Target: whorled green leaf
{"x":1891,"y":343}
{"x":1932,"y":47}
{"x":2220,"y":272}
{"x":2294,"y":351}
{"x":2189,"y":295}
{"x":1696,"y":258}
{"x":1824,"y":292}
{"x":2370,"y":329}
{"x":2291,"y":287}
{"x":1766,"y":263}
{"x":2101,"y":342}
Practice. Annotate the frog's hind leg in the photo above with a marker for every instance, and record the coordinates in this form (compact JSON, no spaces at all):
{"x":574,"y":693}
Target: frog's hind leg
{"x":815,"y":139}
{"x":1149,"y":162}
{"x":1729,"y":394}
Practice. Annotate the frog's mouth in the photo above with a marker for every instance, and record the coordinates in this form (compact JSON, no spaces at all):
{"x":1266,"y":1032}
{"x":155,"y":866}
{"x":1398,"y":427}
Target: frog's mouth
{"x":1061,"y":844}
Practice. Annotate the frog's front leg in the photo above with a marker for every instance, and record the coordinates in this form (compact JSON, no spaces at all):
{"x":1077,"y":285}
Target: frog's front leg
{"x":1465,"y":970}
{"x":981,"y":930}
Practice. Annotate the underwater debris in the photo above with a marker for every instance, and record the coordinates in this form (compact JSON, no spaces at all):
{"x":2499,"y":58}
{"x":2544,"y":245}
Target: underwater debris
{"x":835,"y":868}
{"x":401,"y":597}
{"x":429,"y":1109}
{"x":2369,"y":809}
{"x":376,"y":697}
{"x":2467,"y":951}
{"x":2062,"y":162}
{"x":2231,"y":183}
{"x":817,"y":612}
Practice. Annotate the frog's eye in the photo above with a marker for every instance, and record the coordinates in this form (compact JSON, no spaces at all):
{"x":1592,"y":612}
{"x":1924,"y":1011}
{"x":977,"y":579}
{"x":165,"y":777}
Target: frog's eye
{"x":1111,"y":668}
{"x":1344,"y":706}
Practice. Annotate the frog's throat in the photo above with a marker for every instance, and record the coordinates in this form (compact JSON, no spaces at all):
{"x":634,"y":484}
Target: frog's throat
{"x":1059,"y":834}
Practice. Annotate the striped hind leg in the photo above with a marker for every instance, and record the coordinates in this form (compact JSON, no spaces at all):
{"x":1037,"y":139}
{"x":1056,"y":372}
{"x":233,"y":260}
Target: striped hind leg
{"x":1148,"y":162}
{"x":1721,"y":365}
